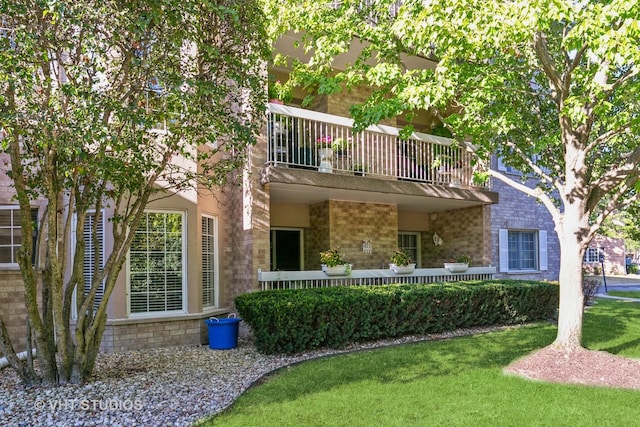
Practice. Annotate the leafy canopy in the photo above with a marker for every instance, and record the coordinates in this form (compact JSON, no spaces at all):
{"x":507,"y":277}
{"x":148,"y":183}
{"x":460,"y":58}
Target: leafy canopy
{"x":526,"y":80}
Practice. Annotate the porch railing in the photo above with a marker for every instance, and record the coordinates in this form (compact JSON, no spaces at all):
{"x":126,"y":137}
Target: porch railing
{"x":318,"y":279}
{"x":296,"y":138}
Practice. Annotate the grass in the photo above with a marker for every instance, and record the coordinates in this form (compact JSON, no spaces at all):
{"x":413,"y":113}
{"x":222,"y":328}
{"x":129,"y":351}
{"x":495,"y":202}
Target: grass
{"x":455,"y":382}
{"x":626,"y":294}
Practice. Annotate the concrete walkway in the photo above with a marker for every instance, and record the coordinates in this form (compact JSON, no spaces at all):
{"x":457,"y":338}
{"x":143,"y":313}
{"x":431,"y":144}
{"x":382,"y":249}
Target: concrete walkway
{"x":629,"y":282}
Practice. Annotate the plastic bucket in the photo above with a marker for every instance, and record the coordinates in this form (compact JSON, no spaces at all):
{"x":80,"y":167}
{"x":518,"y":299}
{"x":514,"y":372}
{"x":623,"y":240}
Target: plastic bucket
{"x":223,"y":333}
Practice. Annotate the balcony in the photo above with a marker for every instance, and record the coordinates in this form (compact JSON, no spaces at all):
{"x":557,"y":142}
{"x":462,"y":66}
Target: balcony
{"x":299,"y":138}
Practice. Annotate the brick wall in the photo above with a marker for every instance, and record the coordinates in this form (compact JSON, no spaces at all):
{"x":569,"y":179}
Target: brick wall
{"x":351,"y":223}
{"x":614,"y":256}
{"x":12,"y":309}
{"x":248,"y":228}
{"x":317,"y":237}
{"x":519,"y":211}
{"x":463,"y":231}
{"x":344,"y":225}
{"x":339,"y":103}
{"x":139,"y":335}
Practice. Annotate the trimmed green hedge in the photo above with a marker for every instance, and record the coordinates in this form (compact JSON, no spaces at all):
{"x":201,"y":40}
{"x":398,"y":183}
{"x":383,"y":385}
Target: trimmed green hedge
{"x":291,"y":321}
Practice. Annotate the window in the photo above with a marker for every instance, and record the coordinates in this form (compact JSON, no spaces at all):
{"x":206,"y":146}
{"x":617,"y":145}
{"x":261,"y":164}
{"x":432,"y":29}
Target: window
{"x":409,"y":243}
{"x":593,"y":254}
{"x":209,"y":249}
{"x":523,"y":250}
{"x":156,"y":264}
{"x":505,"y":168}
{"x":11,"y":234}
{"x":510,"y":169}
{"x":89,"y":262}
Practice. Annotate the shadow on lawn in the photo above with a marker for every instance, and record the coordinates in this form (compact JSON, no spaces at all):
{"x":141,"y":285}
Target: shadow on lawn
{"x":609,"y":325}
{"x":607,"y":321}
{"x":409,"y":362}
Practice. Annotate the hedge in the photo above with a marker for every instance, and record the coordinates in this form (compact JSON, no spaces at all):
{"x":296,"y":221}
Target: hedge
{"x":292,"y":321}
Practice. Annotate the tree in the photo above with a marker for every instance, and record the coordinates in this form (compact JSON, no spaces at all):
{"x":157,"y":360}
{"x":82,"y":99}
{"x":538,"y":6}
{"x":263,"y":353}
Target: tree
{"x":624,"y":224}
{"x":111,"y":104}
{"x":551,"y":86}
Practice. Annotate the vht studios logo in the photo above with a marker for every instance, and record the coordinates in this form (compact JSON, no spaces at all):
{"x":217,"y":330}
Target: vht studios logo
{"x":89,"y":404}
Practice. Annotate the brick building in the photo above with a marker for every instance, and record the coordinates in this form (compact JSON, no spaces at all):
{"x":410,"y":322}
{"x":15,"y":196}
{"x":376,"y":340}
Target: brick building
{"x":296,"y":198}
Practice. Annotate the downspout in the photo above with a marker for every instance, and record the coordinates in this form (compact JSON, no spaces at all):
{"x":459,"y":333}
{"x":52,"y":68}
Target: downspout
{"x":22,"y":356}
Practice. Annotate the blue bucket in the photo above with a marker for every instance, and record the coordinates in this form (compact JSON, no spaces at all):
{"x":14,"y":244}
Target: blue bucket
{"x":223,"y":333}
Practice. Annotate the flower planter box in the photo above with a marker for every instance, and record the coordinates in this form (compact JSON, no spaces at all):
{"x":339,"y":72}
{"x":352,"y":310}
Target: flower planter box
{"x":403,"y":269}
{"x":325,"y":155}
{"x":456,"y":267}
{"x":338,"y":270}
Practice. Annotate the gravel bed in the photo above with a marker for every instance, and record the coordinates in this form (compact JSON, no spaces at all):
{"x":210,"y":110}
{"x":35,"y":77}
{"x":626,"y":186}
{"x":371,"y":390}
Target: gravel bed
{"x":162,"y":387}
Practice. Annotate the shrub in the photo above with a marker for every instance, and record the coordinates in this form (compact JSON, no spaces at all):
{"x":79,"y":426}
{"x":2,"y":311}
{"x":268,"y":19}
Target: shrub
{"x":291,"y":321}
{"x":589,"y":289}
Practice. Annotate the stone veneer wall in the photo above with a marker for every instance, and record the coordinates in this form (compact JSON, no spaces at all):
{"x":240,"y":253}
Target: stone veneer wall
{"x":12,"y":309}
{"x":339,"y":103}
{"x":153,"y":333}
{"x":462,"y":231}
{"x":247,"y":230}
{"x":344,"y":225}
{"x":317,"y":237}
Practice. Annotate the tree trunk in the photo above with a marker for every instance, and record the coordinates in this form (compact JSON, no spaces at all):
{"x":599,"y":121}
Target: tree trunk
{"x":24,"y":369}
{"x":573,"y":240}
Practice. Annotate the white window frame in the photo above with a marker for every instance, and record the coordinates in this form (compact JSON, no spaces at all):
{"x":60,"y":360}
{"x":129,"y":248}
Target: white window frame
{"x":101,"y":239}
{"x":592,"y":255}
{"x":184,"y":308}
{"x":214,"y":252}
{"x":503,"y":244}
{"x":13,"y":226}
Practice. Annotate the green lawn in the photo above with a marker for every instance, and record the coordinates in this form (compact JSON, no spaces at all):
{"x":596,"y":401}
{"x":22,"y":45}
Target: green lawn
{"x":627,"y":294}
{"x":455,"y":382}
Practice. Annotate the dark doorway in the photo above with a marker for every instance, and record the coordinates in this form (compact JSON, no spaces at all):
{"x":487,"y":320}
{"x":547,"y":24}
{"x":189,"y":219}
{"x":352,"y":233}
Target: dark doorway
{"x":286,"y":250}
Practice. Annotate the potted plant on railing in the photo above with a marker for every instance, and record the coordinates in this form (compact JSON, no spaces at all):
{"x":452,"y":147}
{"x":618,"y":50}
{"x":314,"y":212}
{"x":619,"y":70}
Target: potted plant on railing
{"x":325,"y":153}
{"x":459,"y":264}
{"x":359,"y":170}
{"x":333,"y":264}
{"x":341,"y":145}
{"x":401,"y":262}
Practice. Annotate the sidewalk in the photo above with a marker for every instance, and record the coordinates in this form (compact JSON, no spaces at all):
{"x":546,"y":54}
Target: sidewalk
{"x":629,"y":282}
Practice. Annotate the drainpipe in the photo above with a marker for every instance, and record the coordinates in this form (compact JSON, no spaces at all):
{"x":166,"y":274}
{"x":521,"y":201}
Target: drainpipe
{"x":22,"y":356}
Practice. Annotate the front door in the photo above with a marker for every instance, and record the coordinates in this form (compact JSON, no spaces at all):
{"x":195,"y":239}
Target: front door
{"x":286,"y":249}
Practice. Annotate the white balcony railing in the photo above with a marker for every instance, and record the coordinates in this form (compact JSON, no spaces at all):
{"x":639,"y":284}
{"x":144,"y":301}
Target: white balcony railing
{"x":318,"y":279}
{"x":296,"y":138}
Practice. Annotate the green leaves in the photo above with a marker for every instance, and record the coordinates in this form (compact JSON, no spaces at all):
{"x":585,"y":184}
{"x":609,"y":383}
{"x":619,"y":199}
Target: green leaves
{"x":484,"y":62}
{"x":291,"y":321}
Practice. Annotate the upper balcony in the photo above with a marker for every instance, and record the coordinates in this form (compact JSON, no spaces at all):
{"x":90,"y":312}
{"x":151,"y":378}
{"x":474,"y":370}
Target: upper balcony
{"x":326,"y":143}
